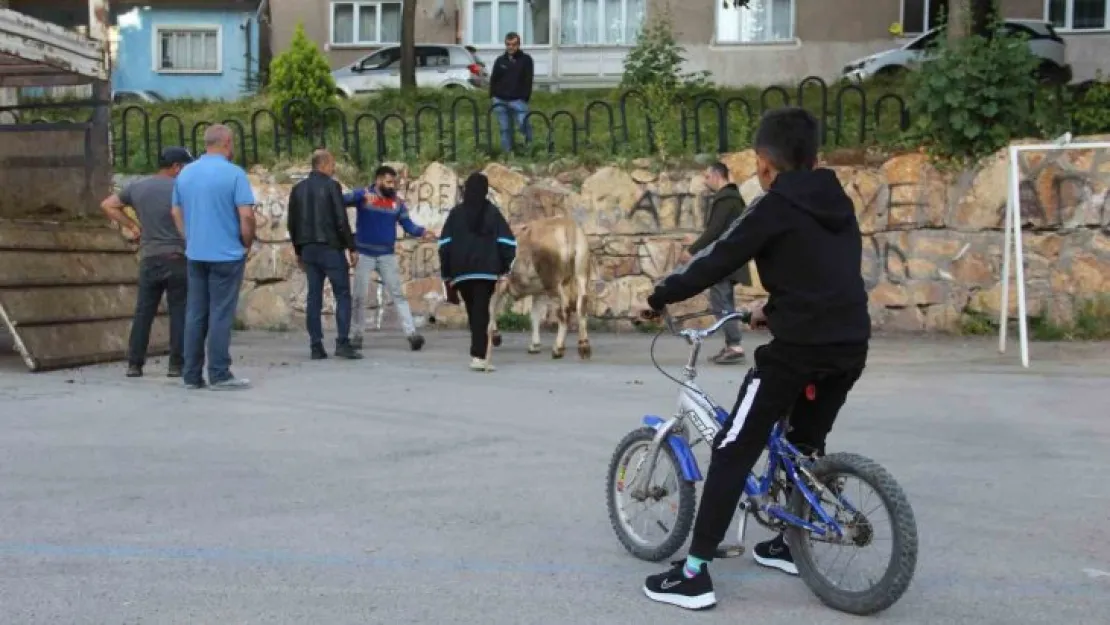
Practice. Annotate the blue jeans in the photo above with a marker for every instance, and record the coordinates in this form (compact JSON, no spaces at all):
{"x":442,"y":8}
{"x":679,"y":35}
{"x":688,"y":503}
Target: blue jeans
{"x":518,"y":109}
{"x":320,"y":262}
{"x":209,"y":314}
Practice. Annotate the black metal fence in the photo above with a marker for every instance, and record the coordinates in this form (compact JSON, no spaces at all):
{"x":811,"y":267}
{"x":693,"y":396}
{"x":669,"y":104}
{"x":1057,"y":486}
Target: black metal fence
{"x":703,"y":123}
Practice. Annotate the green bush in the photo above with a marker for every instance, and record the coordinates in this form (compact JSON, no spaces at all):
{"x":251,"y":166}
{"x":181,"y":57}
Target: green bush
{"x":301,"y":72}
{"x":1091,"y":113}
{"x":654,"y":68}
{"x":972,"y":97}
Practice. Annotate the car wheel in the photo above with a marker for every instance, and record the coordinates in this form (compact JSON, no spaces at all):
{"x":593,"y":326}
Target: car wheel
{"x":891,"y":73}
{"x":1053,"y":74}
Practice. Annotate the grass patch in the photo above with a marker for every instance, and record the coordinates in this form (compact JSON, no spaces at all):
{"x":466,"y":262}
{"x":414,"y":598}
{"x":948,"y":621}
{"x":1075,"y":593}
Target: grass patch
{"x":1091,"y":322}
{"x":510,"y":321}
{"x":976,"y":324}
{"x":458,"y":127}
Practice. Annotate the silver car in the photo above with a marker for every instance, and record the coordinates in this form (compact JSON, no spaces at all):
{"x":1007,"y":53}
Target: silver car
{"x":1043,"y":43}
{"x":437,"y":67}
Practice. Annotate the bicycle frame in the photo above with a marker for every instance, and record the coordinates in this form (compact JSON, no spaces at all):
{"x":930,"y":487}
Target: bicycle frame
{"x":695,"y":406}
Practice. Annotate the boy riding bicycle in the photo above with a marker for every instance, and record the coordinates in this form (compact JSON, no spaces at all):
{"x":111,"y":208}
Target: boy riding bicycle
{"x":805,"y":239}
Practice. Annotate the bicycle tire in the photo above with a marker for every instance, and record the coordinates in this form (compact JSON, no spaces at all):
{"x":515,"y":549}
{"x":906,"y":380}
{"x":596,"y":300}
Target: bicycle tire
{"x":686,"y":501}
{"x":903,"y":559}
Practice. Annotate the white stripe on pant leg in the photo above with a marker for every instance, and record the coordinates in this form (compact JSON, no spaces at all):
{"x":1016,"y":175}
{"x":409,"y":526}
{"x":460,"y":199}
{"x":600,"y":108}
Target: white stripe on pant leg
{"x":741,"y":413}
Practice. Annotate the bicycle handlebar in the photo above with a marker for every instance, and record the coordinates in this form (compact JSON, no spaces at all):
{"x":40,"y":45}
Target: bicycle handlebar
{"x":696,"y":336}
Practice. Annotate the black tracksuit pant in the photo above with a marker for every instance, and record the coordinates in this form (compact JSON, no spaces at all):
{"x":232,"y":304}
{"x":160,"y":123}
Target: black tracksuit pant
{"x":779,"y":378}
{"x":476,"y":295}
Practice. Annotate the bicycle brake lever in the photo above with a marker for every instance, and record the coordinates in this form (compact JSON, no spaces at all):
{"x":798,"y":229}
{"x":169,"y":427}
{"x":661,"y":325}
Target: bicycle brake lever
{"x":668,"y":320}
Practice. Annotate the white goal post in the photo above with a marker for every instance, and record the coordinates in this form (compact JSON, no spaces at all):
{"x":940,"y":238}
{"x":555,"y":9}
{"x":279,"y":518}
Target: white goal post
{"x":1012,"y":251}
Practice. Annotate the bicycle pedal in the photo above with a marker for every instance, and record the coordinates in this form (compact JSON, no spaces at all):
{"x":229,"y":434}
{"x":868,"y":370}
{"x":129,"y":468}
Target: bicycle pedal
{"x":729,"y":551}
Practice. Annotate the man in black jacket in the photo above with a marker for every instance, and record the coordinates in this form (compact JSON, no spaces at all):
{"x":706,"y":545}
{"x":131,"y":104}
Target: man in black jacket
{"x":726,"y":207}
{"x":510,"y":87}
{"x":805,"y":239}
{"x":325,"y":248}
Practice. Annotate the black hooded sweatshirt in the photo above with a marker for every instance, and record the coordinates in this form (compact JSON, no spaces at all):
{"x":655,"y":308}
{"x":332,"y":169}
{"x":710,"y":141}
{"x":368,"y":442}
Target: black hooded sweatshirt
{"x":805,"y":239}
{"x":476,"y":242}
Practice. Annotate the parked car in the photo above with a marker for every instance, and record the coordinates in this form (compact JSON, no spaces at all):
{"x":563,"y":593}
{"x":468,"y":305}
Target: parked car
{"x":136,"y":97}
{"x":1043,"y":43}
{"x":446,"y":66}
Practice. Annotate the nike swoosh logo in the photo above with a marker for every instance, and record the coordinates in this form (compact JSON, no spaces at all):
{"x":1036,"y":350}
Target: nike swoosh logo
{"x":774,"y":551}
{"x":669,"y":585}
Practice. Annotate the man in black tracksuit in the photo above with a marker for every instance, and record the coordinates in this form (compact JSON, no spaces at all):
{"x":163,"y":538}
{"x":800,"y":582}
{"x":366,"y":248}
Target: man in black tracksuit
{"x":805,"y":239}
{"x":510,"y":87}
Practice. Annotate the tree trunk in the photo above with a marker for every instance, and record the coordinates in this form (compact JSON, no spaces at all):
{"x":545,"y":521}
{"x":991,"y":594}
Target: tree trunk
{"x":408,"y":44}
{"x":970,"y":17}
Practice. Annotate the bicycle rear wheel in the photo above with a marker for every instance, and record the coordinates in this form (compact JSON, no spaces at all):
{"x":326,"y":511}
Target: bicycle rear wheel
{"x":655,"y":528}
{"x":860,"y":528}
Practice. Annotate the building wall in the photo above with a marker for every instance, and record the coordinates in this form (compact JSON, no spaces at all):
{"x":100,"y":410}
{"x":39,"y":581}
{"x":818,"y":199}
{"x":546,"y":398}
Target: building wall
{"x":433,"y":25}
{"x":828,"y":35}
{"x":135,"y":68}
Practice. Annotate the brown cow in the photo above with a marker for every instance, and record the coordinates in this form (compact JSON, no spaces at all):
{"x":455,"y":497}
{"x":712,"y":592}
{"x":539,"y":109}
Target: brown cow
{"x":552,"y":260}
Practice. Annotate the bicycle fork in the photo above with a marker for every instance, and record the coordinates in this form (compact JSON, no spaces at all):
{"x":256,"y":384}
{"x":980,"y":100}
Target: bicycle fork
{"x":640,"y":481}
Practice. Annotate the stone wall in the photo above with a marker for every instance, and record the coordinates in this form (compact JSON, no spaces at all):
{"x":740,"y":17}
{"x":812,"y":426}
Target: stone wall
{"x":932,"y":241}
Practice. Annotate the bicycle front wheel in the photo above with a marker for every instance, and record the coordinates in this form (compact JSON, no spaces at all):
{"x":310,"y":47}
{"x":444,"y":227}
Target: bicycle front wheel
{"x":885,"y":521}
{"x":655,"y":527}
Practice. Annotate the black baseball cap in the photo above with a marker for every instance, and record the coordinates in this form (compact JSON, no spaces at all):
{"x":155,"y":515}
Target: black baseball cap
{"x":174,"y":155}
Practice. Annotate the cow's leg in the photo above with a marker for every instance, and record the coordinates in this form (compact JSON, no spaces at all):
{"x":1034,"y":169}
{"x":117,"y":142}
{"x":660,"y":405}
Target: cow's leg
{"x":584,"y":350}
{"x":494,"y":310}
{"x":560,"y":346}
{"x":539,"y":307}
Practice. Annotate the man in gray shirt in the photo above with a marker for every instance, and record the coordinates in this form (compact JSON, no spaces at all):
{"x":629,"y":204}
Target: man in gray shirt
{"x":162,"y":266}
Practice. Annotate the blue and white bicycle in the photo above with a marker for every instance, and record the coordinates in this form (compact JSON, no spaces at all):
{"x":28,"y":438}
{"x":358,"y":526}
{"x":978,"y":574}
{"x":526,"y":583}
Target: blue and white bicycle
{"x":807,"y":498}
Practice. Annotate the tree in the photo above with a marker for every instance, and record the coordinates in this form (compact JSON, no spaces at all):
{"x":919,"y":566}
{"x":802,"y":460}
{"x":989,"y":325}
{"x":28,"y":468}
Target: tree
{"x":302,"y":73}
{"x":408,"y":44}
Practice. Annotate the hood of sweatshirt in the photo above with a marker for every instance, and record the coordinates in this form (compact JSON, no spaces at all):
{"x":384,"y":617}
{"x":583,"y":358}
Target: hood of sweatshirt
{"x":818,"y":193}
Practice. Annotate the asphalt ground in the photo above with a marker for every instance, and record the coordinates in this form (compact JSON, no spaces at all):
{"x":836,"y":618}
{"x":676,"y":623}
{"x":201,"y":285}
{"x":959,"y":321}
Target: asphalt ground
{"x":404,"y":488}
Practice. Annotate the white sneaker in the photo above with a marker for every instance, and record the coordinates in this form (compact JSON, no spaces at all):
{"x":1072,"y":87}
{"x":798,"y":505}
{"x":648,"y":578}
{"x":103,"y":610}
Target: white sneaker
{"x":479,"y":364}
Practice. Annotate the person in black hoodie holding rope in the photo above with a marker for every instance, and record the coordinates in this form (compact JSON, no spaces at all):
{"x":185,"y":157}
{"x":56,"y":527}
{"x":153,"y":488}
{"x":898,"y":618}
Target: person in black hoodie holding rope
{"x":476,"y":250}
{"x":805,"y":239}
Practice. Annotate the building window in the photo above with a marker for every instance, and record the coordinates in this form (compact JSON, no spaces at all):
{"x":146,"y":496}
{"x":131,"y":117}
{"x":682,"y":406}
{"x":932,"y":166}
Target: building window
{"x":921,"y":16}
{"x":762,"y":21}
{"x":188,"y":49}
{"x":491,"y":20}
{"x":1077,"y":14}
{"x":365,"y":23}
{"x":602,"y":22}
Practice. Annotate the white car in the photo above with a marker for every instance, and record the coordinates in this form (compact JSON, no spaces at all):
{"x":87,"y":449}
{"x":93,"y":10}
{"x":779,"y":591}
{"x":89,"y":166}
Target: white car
{"x":1043,"y":43}
{"x":446,"y":66}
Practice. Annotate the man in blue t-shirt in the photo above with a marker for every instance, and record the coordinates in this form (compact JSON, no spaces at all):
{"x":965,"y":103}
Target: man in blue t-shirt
{"x":379,"y":212}
{"x":213,"y":206}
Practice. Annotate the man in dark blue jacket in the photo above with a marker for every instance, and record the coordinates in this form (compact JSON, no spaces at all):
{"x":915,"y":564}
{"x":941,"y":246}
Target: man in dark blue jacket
{"x":510,"y":87}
